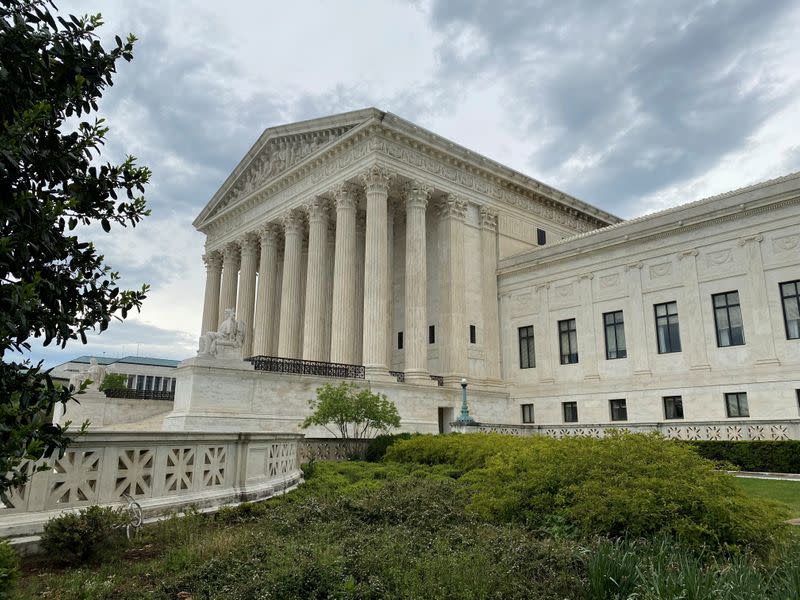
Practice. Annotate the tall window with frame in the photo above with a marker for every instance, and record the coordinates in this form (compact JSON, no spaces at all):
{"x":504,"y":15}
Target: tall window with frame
{"x":673,"y":407}
{"x":568,"y":341}
{"x":527,"y":413}
{"x":728,"y":319}
{"x":570,"y":412}
{"x":527,"y":356}
{"x":736,"y":404}
{"x":619,"y":409}
{"x":667,"y":332}
{"x":615,"y":335}
{"x":790,"y":298}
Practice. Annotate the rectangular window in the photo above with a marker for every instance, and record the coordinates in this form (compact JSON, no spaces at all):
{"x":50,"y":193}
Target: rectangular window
{"x":431,"y":334}
{"x":541,"y":236}
{"x":473,"y":334}
{"x":570,"y":410}
{"x":399,"y":340}
{"x":790,"y":296}
{"x":568,"y":341}
{"x":527,"y":413}
{"x":148,"y":385}
{"x":667,"y":332}
{"x":673,"y":407}
{"x":131,"y":382}
{"x":140,"y":382}
{"x":736,"y":404}
{"x":157,"y":384}
{"x":527,"y":358}
{"x":615,"y":335}
{"x":619,"y":410}
{"x":728,"y":319}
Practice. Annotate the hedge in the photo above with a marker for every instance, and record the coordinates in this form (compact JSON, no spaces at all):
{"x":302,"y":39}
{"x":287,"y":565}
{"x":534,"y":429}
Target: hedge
{"x":771,"y":456}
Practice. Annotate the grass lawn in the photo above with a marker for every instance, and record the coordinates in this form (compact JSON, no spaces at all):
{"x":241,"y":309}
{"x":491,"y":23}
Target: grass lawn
{"x":786,"y":492}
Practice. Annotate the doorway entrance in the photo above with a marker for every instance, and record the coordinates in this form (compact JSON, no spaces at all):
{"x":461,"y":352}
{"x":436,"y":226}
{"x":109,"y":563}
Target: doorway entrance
{"x":445,"y":418}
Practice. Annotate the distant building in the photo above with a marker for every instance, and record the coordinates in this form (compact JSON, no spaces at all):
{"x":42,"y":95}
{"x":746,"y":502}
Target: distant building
{"x":144,"y":373}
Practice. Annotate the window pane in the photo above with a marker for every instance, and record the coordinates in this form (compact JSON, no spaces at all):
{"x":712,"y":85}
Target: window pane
{"x":621,"y":347}
{"x":789,"y":288}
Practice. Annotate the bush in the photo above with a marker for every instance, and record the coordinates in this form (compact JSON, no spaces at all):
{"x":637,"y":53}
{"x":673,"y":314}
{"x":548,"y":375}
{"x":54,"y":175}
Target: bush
{"x":75,"y":538}
{"x":9,"y":569}
{"x":773,"y":456}
{"x":114,"y":381}
{"x":377,"y":447}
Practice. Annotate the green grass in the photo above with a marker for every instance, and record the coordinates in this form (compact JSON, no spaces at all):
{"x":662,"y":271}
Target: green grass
{"x":785,"y":492}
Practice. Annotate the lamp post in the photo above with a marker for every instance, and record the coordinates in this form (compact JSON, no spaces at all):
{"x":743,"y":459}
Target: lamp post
{"x":464,"y":418}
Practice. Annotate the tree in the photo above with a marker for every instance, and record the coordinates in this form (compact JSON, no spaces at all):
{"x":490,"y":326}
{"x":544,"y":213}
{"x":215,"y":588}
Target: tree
{"x":351,"y":413}
{"x":54,"y":285}
{"x":114,"y":381}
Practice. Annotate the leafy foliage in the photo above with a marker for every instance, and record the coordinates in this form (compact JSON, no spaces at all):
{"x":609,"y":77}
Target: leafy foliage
{"x":779,"y":456}
{"x":114,"y":381}
{"x":75,"y":538}
{"x":378,"y":445}
{"x":351,"y":413}
{"x":9,"y":569}
{"x":53,"y":285}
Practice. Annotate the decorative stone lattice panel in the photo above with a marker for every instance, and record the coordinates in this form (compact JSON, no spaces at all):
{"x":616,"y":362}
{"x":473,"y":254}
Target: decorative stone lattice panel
{"x":18,"y":498}
{"x":779,"y":432}
{"x":180,"y":470}
{"x":134,"y":473}
{"x":74,"y":481}
{"x":281,"y":458}
{"x":214,"y":466}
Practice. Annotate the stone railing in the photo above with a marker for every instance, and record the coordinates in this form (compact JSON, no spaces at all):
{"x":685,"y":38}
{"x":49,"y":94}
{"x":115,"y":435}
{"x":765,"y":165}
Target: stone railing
{"x":708,"y":430}
{"x":329,"y":449}
{"x":163,"y":471}
{"x":136,"y":394}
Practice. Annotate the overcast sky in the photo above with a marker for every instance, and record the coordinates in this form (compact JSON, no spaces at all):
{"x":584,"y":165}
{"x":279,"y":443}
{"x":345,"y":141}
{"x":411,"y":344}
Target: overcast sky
{"x":630,"y":106}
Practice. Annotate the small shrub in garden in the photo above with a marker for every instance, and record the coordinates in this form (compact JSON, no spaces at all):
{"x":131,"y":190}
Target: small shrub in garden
{"x":9,"y":569}
{"x":378,"y":446}
{"x":74,"y":538}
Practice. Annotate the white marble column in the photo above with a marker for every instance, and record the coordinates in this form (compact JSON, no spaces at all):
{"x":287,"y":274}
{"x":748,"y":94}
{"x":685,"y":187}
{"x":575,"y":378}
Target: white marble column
{"x":213,"y":262}
{"x":276,"y":326}
{"x":230,"y":279}
{"x":330,"y":253}
{"x":376,"y":282}
{"x":696,"y":338}
{"x":635,"y":334}
{"x":314,"y":322}
{"x":390,"y":274}
{"x":763,"y":341}
{"x":358,"y":275}
{"x":291,"y":290}
{"x":489,"y":300}
{"x":344,"y":277}
{"x":545,"y":349}
{"x":452,"y":212}
{"x":415,"y":342}
{"x":588,"y":350}
{"x":246,"y":298}
{"x":266,"y":317}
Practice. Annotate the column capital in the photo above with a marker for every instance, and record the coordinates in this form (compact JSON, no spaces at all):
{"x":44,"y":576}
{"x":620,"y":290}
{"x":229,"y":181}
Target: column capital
{"x":345,"y":195}
{"x":317,"y":210}
{"x":231,"y":252}
{"x":453,"y":206}
{"x":269,"y":233}
{"x":488,"y":218}
{"x":213,"y":260}
{"x":588,"y":276}
{"x":292,"y":222}
{"x":416,"y":194}
{"x":757,"y":238}
{"x":377,"y":179}
{"x":688,"y":253}
{"x":542,"y":287}
{"x":249,"y":243}
{"x":634,"y":266}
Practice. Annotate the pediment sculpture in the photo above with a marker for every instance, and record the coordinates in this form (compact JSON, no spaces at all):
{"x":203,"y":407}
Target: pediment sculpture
{"x":227,"y":341}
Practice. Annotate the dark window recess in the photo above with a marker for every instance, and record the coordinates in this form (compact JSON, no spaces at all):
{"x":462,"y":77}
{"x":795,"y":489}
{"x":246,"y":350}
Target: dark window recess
{"x":473,"y":335}
{"x":619,"y":410}
{"x":149,"y":383}
{"x":527,"y":358}
{"x":527,"y":413}
{"x":431,"y":334}
{"x":615,"y":335}
{"x":570,"y":410}
{"x":790,"y":297}
{"x":541,"y":237}
{"x":673,"y":407}
{"x":728,"y":319}
{"x":736,"y":405}
{"x":140,"y":382}
{"x":667,"y":332}
{"x":131,"y":382}
{"x":399,"y":340}
{"x":568,"y":341}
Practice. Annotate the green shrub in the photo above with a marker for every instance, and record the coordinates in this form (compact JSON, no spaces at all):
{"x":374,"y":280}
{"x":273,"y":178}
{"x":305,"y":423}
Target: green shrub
{"x":9,"y":569}
{"x":377,"y":447}
{"x":773,"y":456}
{"x":114,"y":381}
{"x":75,"y":538}
{"x":241,"y":513}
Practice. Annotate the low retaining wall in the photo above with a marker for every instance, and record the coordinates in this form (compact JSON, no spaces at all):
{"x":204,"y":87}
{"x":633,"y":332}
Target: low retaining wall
{"x":712,"y":430}
{"x":328,"y":449}
{"x":165,"y":472}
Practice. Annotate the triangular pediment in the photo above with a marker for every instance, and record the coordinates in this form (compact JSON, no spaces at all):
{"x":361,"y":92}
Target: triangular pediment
{"x":277,"y":150}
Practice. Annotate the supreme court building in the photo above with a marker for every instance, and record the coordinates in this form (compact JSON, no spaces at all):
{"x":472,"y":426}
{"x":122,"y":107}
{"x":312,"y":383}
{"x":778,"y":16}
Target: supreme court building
{"x":364,"y":243}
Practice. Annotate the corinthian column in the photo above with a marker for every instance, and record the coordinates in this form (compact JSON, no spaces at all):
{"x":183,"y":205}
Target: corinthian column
{"x":344,"y":277}
{"x":314,"y":334}
{"x":453,"y":307}
{"x":213,"y":261}
{"x":291,"y":290}
{"x":266,"y":316}
{"x":376,"y":282}
{"x":489,"y":302}
{"x":230,"y":279}
{"x":416,"y":298}
{"x":246,"y":301}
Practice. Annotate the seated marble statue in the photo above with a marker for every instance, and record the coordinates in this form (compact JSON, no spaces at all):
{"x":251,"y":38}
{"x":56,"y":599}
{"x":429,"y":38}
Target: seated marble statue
{"x":95,"y":372}
{"x":229,"y":337}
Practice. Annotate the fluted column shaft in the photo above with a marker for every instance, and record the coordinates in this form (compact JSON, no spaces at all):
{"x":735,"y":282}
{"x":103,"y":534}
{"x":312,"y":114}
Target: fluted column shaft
{"x":213,"y":261}
{"x":358,"y":275}
{"x":491,"y":319}
{"x":344,"y":279}
{"x":314,"y":331}
{"x":266,"y":317}
{"x":454,"y":335}
{"x":230,"y":280}
{"x":246,"y":299}
{"x":291,"y":290}
{"x":415,"y":341}
{"x":376,"y":283}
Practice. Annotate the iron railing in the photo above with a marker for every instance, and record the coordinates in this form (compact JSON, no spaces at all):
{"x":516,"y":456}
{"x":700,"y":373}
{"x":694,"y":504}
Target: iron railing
{"x":134,"y":394}
{"x":400,"y":375}
{"x":276,"y":364}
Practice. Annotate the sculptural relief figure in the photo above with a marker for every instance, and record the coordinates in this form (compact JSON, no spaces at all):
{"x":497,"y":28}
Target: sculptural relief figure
{"x":227,"y":341}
